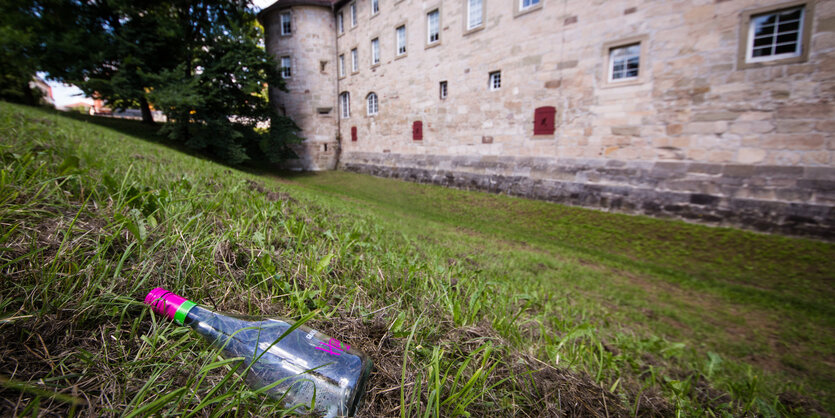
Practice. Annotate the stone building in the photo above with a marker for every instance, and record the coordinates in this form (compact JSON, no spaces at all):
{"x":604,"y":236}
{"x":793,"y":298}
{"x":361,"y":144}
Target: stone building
{"x":710,"y":110}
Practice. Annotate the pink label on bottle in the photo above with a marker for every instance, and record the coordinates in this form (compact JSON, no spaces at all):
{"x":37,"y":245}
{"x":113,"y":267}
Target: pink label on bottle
{"x":333,"y":347}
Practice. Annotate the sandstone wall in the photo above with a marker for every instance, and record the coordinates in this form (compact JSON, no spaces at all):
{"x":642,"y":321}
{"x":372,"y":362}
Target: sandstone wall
{"x":311,"y":97}
{"x":700,"y":134}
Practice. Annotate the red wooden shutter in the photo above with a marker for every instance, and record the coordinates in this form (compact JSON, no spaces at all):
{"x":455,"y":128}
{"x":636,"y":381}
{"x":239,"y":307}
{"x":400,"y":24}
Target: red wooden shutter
{"x":353,"y":134}
{"x":417,"y":130}
{"x":543,"y":119}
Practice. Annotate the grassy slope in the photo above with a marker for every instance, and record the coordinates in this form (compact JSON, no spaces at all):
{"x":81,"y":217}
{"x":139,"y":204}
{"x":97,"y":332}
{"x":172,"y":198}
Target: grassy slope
{"x":754,"y":299}
{"x":665,"y":315}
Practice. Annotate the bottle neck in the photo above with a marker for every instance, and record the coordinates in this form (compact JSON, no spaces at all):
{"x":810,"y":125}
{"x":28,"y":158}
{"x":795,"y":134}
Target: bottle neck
{"x":169,"y":304}
{"x":207,"y":323}
{"x":212,"y":325}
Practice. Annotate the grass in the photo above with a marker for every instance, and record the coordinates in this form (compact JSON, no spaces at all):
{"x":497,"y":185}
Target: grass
{"x":468,"y":303}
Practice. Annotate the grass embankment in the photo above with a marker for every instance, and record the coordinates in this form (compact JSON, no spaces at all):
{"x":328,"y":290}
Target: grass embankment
{"x":465,"y":301}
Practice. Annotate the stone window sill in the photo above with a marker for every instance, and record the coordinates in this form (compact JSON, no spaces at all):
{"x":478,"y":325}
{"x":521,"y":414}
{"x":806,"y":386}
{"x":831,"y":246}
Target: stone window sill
{"x":473,"y":30}
{"x":517,"y":12}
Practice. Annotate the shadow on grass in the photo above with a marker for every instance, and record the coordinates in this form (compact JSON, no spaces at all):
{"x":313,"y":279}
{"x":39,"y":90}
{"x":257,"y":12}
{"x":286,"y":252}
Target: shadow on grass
{"x":150,"y":133}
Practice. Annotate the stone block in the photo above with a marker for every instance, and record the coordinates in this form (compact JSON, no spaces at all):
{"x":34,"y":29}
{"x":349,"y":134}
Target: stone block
{"x":779,"y":171}
{"x":706,"y":128}
{"x":750,"y":155}
{"x":804,"y":111}
{"x":827,"y":126}
{"x":794,"y":126}
{"x":674,"y":129}
{"x":626,"y":130}
{"x":794,"y":141}
{"x":716,"y":116}
{"x":564,"y":65}
{"x":747,"y":128}
{"x":819,"y":173}
{"x":701,"y":168}
{"x":738,"y":170}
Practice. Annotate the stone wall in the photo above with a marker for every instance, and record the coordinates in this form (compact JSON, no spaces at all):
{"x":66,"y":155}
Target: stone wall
{"x":310,"y":99}
{"x":700,"y":134}
{"x":791,"y":200}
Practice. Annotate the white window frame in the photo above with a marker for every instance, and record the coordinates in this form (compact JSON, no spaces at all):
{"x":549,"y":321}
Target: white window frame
{"x":342,"y":65}
{"x":345,"y":105}
{"x":372,"y":104}
{"x":471,"y":14}
{"x":752,"y":25}
{"x":400,"y":42}
{"x":375,"y":7}
{"x":286,"y":70}
{"x":443,"y":87}
{"x":429,"y":40}
{"x":355,"y":65}
{"x":532,"y":3}
{"x":495,"y":80}
{"x":286,"y":18}
{"x":375,"y":51}
{"x":353,"y":14}
{"x":611,"y":62}
{"x":340,"y":23}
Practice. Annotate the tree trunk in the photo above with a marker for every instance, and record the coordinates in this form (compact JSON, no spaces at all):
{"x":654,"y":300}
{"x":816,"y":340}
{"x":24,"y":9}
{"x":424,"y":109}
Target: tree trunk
{"x":147,"y":118}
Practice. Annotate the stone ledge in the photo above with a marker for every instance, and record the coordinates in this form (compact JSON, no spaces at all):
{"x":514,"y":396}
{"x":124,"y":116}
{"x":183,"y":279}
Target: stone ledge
{"x":628,"y":188}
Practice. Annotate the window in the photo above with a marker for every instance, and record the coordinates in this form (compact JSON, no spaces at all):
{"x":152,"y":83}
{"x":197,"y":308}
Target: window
{"x":401,"y":40}
{"x":353,"y":14}
{"x":345,"y":105}
{"x":340,"y":25}
{"x":776,"y":35}
{"x":355,"y":65}
{"x":372,"y":105}
{"x":443,"y":90}
{"x":624,"y":62}
{"x":526,"y":4}
{"x":475,"y":13}
{"x":286,"y":24}
{"x":375,"y":51}
{"x":342,"y":65}
{"x":433,"y":23}
{"x":286,"y":71}
{"x":495,"y":80}
{"x":375,"y":7}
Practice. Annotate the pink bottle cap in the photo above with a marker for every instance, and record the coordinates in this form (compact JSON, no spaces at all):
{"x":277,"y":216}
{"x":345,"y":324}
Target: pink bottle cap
{"x":164,"y":302}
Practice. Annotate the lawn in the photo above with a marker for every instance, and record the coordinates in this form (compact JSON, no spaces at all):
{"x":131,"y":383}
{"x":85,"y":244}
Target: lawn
{"x":468,"y":303}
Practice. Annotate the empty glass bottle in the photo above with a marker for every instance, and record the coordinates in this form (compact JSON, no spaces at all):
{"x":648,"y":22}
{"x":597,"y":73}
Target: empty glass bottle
{"x":312,"y":364}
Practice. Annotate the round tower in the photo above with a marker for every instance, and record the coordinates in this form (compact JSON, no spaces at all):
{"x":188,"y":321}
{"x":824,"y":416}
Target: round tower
{"x":301,"y":35}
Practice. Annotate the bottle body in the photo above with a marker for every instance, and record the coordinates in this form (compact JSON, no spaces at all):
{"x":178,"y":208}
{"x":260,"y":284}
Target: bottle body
{"x":312,"y":369}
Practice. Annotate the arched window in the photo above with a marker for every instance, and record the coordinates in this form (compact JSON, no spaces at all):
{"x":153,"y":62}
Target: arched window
{"x":372,"y":104}
{"x":345,"y":105}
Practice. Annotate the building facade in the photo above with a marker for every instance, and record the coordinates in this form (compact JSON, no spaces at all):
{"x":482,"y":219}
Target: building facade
{"x":709,"y":110}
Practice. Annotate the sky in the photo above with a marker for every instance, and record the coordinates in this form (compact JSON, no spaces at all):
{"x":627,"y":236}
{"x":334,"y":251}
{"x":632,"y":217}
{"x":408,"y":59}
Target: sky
{"x":66,"y":94}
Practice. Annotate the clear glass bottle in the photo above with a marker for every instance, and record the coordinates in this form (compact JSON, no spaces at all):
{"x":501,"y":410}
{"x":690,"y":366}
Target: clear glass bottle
{"x":311,"y":363}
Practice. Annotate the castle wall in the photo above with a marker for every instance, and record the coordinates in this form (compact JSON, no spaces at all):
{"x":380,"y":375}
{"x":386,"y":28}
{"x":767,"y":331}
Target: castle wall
{"x":701,"y":134}
{"x":310,"y":99}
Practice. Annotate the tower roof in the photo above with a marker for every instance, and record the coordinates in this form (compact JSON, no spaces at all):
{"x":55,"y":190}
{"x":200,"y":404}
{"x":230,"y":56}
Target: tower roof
{"x":281,"y":4}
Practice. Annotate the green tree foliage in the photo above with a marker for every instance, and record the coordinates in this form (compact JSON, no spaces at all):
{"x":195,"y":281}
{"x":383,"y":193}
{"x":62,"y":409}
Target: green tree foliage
{"x":19,"y":50}
{"x":217,"y":96}
{"x":199,"y":62}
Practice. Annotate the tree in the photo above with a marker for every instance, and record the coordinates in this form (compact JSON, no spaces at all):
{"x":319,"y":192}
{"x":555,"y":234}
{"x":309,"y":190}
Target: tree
{"x":217,"y":96}
{"x":200,"y":62}
{"x":19,"y":52}
{"x":110,"y":49}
